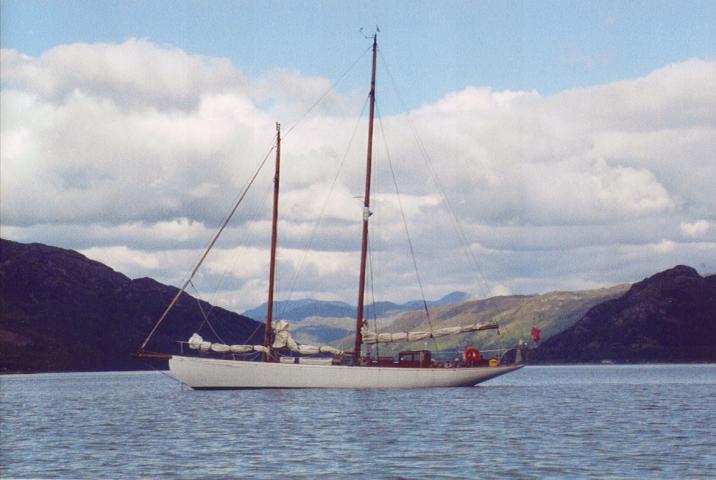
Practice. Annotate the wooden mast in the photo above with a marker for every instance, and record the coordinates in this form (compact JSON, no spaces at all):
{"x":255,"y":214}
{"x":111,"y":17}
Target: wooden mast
{"x":366,"y":212}
{"x":274,"y":236}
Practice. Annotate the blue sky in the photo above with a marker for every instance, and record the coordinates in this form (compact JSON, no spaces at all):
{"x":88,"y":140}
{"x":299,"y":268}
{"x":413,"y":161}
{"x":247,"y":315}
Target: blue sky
{"x":434,"y":47}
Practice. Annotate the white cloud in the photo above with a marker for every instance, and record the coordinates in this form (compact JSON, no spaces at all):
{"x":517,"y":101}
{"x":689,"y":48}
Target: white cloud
{"x":133,"y":153}
{"x":665,"y":246}
{"x":500,"y":291}
{"x":133,"y":74}
{"x":695,"y":229}
{"x":126,"y":260}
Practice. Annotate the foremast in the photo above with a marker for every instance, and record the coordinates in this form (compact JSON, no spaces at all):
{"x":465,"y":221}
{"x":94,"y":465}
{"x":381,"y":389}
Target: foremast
{"x":274,"y":239}
{"x":366,"y":212}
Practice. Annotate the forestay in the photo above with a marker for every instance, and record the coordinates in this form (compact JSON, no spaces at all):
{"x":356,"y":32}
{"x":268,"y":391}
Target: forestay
{"x":371,"y":338}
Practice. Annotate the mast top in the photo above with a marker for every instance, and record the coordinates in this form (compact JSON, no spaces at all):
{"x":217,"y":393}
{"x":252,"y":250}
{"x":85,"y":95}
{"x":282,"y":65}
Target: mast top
{"x":373,"y":36}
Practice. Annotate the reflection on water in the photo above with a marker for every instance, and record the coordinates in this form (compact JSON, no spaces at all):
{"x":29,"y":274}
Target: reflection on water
{"x":586,"y":421}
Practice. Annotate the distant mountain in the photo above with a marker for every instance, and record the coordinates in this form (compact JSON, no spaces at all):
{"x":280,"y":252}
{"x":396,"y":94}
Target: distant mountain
{"x":325,"y":322}
{"x":60,"y":311}
{"x":669,"y":317}
{"x":297,"y":310}
{"x":551,"y":312}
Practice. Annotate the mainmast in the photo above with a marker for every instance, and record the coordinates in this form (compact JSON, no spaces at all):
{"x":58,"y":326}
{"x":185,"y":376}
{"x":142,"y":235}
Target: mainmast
{"x":366,"y":211}
{"x":274,"y":236}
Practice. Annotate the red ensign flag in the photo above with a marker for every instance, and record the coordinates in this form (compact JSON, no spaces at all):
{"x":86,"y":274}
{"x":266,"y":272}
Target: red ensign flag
{"x":536,"y":333}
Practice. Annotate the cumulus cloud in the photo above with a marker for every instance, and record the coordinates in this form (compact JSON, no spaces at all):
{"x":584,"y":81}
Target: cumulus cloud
{"x":132,"y":74}
{"x":500,"y":291}
{"x":695,"y":229}
{"x":133,"y":153}
{"x":665,"y":246}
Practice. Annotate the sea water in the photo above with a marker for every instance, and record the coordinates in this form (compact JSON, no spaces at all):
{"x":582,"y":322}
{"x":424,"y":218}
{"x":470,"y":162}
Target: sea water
{"x":637,"y":421}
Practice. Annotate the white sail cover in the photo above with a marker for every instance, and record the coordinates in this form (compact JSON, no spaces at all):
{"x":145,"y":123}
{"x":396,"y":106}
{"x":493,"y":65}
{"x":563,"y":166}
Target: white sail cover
{"x":282,"y":339}
{"x":371,"y":338}
{"x":198,"y":343}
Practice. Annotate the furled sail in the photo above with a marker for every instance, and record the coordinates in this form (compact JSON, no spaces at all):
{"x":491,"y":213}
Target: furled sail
{"x":282,"y":339}
{"x":370,"y":337}
{"x":196,"y":342}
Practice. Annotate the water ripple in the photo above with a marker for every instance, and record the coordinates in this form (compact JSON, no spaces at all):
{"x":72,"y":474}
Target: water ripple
{"x":540,"y":422}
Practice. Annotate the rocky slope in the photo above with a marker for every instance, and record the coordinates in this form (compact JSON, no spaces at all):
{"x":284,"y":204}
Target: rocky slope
{"x":669,"y":317}
{"x":61,"y":311}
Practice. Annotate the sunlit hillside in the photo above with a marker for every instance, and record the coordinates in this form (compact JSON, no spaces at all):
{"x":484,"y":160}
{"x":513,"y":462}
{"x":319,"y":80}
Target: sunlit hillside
{"x":551,"y":312}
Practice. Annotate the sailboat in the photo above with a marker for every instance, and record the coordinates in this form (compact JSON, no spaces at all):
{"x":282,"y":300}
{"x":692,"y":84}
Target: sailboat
{"x":413,"y":369}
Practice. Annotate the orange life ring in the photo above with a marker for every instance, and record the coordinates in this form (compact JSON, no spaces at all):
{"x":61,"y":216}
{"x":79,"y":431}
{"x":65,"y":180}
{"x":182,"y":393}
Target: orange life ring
{"x":472,"y":355}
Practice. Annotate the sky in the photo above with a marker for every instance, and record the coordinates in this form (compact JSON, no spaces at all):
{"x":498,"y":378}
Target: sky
{"x":574,"y":142}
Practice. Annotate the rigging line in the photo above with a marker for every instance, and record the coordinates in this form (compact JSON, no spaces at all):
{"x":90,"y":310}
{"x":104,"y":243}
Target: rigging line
{"x":333,"y":85}
{"x":372,"y":292}
{"x":164,"y":373}
{"x":237,"y":199}
{"x":405,"y":226}
{"x":205,"y":314}
{"x":456,"y":221}
{"x":225,"y":275}
{"x":222,"y":281}
{"x":277,"y":287}
{"x":208,"y":248}
{"x":457,"y":225}
{"x":252,"y":217}
{"x":258,"y":327}
{"x":372,"y":250}
{"x":312,"y":237}
{"x":428,"y":161}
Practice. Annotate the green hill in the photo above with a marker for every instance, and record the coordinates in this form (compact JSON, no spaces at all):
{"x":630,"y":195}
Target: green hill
{"x":668,"y":317}
{"x":552,"y":312}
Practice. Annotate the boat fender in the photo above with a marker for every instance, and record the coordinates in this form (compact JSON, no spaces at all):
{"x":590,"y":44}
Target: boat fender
{"x":472,"y":355}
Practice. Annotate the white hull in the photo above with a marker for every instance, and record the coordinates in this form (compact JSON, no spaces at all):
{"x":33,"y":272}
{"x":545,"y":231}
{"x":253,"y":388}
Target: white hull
{"x":205,"y":373}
